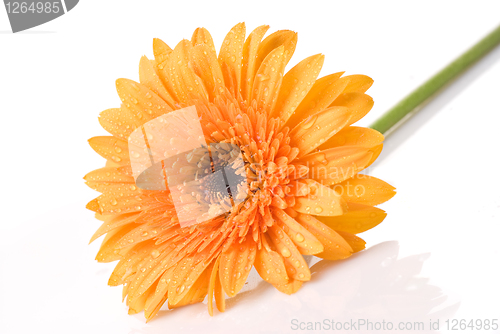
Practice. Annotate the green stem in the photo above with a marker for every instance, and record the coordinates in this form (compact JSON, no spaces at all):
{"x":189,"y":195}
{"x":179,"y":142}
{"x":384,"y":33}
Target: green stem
{"x":394,"y":116}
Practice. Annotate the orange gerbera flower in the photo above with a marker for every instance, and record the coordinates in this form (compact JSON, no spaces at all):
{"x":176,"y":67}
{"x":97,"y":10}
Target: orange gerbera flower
{"x":285,"y":140}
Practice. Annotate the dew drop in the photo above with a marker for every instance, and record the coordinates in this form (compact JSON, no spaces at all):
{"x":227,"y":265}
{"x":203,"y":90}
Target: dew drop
{"x":115,"y":158}
{"x":114,"y":202}
{"x":299,"y":237}
{"x":155,"y":253}
{"x":318,"y":209}
{"x":286,"y":252}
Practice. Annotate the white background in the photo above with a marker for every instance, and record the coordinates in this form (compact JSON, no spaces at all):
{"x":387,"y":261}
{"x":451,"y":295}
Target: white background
{"x":56,"y":78}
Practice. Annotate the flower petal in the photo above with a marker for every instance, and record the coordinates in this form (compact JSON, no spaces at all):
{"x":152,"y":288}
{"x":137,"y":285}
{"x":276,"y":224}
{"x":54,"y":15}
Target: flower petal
{"x":357,"y":244}
{"x":202,"y":36}
{"x":141,"y":101}
{"x":358,"y":83}
{"x":285,"y":38}
{"x":111,"y":148}
{"x":107,"y":252}
{"x":270,"y":266}
{"x":185,"y":274}
{"x":268,"y":80}
{"x":206,"y":66}
{"x":231,"y":54}
{"x":120,"y":122}
{"x":335,"y":247}
{"x":249,"y":59}
{"x":214,"y":275}
{"x":235,"y":265}
{"x":358,"y":218}
{"x":324,"y":91}
{"x":354,"y":136}
{"x":359,"y":104}
{"x":365,"y":189}
{"x":149,"y":78}
{"x":156,"y":300}
{"x":198,"y":290}
{"x":290,"y":287}
{"x":321,"y":200}
{"x":337,"y":164}
{"x":314,"y":130}
{"x":114,"y":222}
{"x":296,"y":266}
{"x":306,"y":243}
{"x":296,"y":84}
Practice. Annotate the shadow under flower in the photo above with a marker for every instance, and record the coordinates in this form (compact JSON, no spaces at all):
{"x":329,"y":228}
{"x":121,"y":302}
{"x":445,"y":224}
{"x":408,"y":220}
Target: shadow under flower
{"x":373,"y":286}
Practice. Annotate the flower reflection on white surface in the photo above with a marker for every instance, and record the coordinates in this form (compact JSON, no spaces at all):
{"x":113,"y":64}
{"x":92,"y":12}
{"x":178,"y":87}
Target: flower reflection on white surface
{"x":373,"y":285}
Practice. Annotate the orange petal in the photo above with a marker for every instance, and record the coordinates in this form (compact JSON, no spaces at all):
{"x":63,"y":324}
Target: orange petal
{"x":235,"y":265}
{"x":285,"y":38}
{"x":211,"y":285}
{"x":149,"y":78}
{"x":231,"y":54}
{"x":335,"y":247}
{"x":337,"y":164}
{"x":109,"y":175}
{"x":114,"y":222}
{"x":359,"y":218}
{"x":270,"y":266}
{"x":324,"y":91}
{"x":291,"y":287}
{"x":249,"y":59}
{"x":141,"y":101}
{"x":156,"y":300}
{"x":321,"y":200}
{"x":137,"y":305}
{"x":359,"y":104}
{"x":199,"y":289}
{"x":364,"y":189}
{"x":206,"y":66}
{"x":354,"y":136}
{"x":111,"y":148}
{"x":357,"y":244}
{"x":296,"y":84}
{"x":161,"y":51}
{"x":202,"y":36}
{"x":268,"y":80}
{"x":314,"y":130}
{"x":220,"y":297}
{"x":296,"y":266}
{"x":358,"y":83}
{"x":186,"y":84}
{"x":306,"y":243}
{"x":185,"y":274}
{"x":107,"y":252}
{"x":129,"y":263}
{"x":120,"y":122}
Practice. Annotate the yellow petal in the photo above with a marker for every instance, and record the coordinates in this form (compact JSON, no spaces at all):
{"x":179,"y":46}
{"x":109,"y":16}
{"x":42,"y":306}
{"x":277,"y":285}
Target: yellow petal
{"x":231,"y":54}
{"x":249,"y":59}
{"x":296,"y":84}
{"x":358,"y":83}
{"x":354,"y":136}
{"x":337,"y":164}
{"x":296,"y":266}
{"x":335,"y":247}
{"x":149,"y":78}
{"x":359,"y":104}
{"x":306,"y":243}
{"x":315,"y":129}
{"x":357,"y":244}
{"x":268,"y":80}
{"x":111,"y":148}
{"x":270,"y":266}
{"x":321,"y":200}
{"x":235,"y":265}
{"x":358,"y":218}
{"x":109,"y":175}
{"x":364,"y":189}
{"x":161,"y":51}
{"x":324,"y":91}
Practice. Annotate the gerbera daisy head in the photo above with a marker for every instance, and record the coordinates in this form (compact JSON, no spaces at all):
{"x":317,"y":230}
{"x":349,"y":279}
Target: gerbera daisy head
{"x":220,"y":163}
